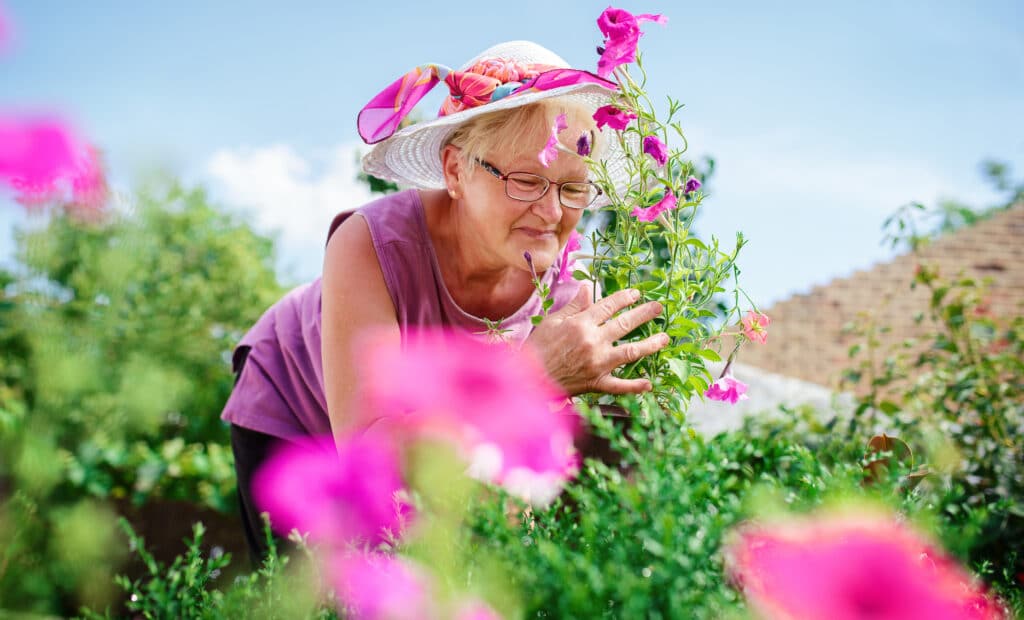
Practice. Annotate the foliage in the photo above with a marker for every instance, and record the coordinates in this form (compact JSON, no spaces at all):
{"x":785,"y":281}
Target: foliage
{"x":117,"y":338}
{"x":957,"y":394}
{"x":190,"y":587}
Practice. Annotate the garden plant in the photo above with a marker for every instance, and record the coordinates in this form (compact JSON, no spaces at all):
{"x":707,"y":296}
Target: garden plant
{"x":476,"y":505}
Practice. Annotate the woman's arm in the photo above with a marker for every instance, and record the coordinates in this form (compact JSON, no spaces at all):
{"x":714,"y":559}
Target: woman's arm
{"x":354,"y":300}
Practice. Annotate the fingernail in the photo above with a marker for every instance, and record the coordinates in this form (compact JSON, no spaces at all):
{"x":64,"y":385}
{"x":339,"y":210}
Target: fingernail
{"x":663,"y":339}
{"x":634,"y":294}
{"x":658,"y":308}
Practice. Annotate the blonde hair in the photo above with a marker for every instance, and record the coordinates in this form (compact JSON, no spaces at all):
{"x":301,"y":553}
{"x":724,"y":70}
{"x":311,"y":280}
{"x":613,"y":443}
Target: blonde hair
{"x":513,"y":130}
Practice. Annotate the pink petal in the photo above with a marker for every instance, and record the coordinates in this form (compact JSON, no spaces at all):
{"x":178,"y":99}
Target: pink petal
{"x":550,"y":151}
{"x":447,"y":385}
{"x":613,"y":117}
{"x":335,"y":494}
{"x":755,"y":326}
{"x":727,"y":389}
{"x":42,"y":160}
{"x":381,"y":587}
{"x":566,"y":262}
{"x":850,"y":566}
{"x":651,"y":213}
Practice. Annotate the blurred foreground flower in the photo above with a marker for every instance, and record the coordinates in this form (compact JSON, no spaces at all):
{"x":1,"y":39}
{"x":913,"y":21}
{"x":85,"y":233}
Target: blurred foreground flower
{"x":375,"y":586}
{"x":850,"y":566}
{"x":337,"y":495}
{"x":497,"y":405}
{"x":43,"y":160}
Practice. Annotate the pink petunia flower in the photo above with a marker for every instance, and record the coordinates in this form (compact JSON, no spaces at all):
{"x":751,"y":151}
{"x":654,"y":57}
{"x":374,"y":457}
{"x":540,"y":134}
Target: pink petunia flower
{"x":336,"y":494}
{"x":755,"y":326}
{"x":375,"y":586}
{"x":492,"y":402}
{"x":614,"y":117}
{"x":656,"y":149}
{"x":550,"y":151}
{"x":851,"y":566}
{"x":651,"y":213}
{"x":42,"y":160}
{"x":692,"y":185}
{"x":621,"y":30}
{"x":727,"y":389}
{"x":567,"y":262}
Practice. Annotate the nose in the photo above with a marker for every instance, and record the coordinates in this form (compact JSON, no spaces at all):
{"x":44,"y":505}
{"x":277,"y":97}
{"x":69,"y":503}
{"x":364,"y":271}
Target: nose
{"x":547,"y":207}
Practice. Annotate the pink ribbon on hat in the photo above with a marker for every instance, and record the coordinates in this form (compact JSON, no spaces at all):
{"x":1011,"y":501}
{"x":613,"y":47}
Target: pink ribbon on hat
{"x":489,"y":80}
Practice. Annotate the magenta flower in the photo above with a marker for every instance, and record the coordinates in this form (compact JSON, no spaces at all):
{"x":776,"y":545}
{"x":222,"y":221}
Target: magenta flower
{"x":42,"y":160}
{"x":727,"y":389}
{"x":651,"y":213}
{"x":374,"y":586}
{"x":621,"y":30}
{"x":755,"y":326}
{"x":492,"y":402}
{"x":335,"y":494}
{"x":612,"y":116}
{"x":550,"y":151}
{"x":845,"y":567}
{"x":692,"y":185}
{"x":566,"y":264}
{"x":583,"y":145}
{"x":656,"y":149}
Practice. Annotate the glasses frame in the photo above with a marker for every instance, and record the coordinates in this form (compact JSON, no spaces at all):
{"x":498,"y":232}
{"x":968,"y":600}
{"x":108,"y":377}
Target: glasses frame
{"x":491,"y":168}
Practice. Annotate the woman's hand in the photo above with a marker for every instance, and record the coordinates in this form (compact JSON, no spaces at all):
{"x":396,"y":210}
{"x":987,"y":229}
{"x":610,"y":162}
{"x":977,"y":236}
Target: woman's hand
{"x":577,"y":343}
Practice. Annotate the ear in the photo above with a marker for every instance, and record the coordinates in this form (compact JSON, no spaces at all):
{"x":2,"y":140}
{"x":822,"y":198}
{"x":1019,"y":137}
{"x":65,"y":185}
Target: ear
{"x":454,"y":170}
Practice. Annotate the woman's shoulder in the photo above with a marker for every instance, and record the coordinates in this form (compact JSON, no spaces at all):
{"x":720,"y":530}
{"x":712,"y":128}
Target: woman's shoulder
{"x":389,"y":218}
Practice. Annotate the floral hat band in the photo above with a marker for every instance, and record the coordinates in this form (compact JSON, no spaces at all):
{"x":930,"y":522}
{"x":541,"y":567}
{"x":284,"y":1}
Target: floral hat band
{"x":486,"y":81}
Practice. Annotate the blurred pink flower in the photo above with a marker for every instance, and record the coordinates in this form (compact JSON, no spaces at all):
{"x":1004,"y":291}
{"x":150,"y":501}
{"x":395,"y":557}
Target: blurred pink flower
{"x":727,"y":389}
{"x":550,"y":151}
{"x":621,"y":30}
{"x":336,"y":494}
{"x":493,"y":402}
{"x":651,"y":213}
{"x":755,"y":326}
{"x":475,"y":609}
{"x":42,"y":160}
{"x":567,"y":262}
{"x":656,"y":149}
{"x":851,"y":566}
{"x":374,"y":586}
{"x":614,"y":117}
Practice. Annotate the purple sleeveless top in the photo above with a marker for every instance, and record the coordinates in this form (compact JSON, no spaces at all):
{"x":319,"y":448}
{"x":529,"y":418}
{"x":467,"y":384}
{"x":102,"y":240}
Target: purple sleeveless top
{"x":280,"y":390}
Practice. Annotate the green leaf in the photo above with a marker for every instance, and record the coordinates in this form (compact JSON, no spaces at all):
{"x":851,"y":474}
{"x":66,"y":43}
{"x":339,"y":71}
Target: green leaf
{"x":710,"y":354}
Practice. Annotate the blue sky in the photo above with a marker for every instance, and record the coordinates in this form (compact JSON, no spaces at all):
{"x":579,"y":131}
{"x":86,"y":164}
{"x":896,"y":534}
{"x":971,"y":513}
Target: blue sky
{"x":823,"y":117}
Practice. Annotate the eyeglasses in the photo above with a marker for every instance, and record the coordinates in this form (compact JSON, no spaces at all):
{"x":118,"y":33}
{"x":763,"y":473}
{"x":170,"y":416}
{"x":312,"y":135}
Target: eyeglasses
{"x":528,"y":187}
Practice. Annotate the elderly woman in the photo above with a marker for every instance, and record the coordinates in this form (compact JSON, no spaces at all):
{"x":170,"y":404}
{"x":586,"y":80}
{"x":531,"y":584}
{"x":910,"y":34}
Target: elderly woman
{"x":497,"y":175}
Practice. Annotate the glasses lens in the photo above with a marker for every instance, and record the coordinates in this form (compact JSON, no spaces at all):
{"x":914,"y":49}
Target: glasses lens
{"x":524,"y":186}
{"x":578,"y":195}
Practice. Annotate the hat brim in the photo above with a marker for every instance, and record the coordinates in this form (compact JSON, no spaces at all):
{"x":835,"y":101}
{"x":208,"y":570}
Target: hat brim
{"x":412,"y":156}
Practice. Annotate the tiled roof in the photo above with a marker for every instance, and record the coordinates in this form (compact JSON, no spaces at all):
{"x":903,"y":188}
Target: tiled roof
{"x":806,"y":339}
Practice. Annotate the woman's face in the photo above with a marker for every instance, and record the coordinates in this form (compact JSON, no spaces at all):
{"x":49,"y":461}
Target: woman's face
{"x":505,"y":227}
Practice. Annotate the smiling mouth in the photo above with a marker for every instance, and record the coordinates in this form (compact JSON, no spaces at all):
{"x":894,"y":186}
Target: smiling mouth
{"x":536,"y":233}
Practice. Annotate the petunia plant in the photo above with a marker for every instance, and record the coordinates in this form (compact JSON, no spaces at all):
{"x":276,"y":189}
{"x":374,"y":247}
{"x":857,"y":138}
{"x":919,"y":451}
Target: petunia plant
{"x":644,"y":239}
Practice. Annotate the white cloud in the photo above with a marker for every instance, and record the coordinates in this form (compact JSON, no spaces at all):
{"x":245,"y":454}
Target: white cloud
{"x":291,"y":195}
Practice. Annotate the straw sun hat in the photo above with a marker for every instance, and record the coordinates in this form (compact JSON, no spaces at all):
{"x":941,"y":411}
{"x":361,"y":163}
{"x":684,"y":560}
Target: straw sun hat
{"x":502,"y":77}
